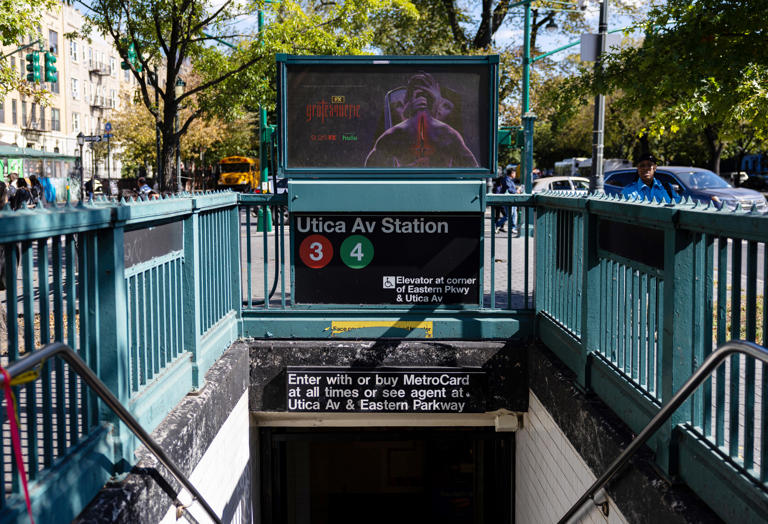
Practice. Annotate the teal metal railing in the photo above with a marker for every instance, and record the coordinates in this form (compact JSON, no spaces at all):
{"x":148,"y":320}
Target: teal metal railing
{"x":633,"y":297}
{"x":147,"y":293}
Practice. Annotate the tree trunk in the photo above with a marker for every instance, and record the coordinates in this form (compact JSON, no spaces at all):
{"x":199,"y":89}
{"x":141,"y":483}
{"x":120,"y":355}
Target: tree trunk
{"x":169,"y":163}
{"x":715,"y":147}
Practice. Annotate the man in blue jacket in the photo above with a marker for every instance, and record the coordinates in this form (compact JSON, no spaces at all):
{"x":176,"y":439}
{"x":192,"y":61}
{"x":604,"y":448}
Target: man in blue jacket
{"x":506,"y":184}
{"x":646,"y":187}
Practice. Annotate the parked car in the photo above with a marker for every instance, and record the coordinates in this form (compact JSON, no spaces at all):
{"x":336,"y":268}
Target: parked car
{"x":609,"y":164}
{"x":560,"y":183}
{"x":693,"y":182}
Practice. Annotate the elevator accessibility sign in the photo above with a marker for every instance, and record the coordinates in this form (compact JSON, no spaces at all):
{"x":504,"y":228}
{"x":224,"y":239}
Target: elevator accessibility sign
{"x":400,"y":259}
{"x":385,"y":390}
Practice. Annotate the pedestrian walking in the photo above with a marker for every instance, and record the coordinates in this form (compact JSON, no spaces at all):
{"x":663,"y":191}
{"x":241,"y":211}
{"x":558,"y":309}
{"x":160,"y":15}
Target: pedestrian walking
{"x":35,"y":190}
{"x":506,"y":184}
{"x":22,"y":196}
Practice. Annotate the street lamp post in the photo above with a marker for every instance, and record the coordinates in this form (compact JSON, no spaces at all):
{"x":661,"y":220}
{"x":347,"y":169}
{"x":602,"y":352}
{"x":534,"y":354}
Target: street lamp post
{"x":178,"y":92}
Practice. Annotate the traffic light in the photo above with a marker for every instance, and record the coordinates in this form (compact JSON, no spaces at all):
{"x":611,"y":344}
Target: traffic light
{"x":132,"y":59}
{"x":33,"y":67}
{"x":50,"y":68}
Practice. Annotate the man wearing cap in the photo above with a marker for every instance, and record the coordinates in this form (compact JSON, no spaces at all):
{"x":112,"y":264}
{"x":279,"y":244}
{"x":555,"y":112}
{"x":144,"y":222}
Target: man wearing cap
{"x":646,"y":187}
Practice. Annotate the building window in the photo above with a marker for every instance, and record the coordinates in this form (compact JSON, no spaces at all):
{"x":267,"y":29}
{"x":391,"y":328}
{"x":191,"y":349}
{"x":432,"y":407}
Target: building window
{"x":53,"y":41}
{"x":33,"y":114}
{"x":23,"y":114}
{"x":55,"y":121}
{"x":42,"y":117}
{"x":2,"y":111}
{"x":55,"y":87}
{"x":75,"y":89}
{"x":75,"y":122}
{"x":112,"y":99}
{"x":127,"y":75}
{"x":14,"y":116}
{"x":112,"y":68}
{"x":73,"y":50}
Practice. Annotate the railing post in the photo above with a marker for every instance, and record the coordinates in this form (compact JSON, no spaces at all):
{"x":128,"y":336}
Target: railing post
{"x":234,"y":246}
{"x":590,"y":293}
{"x":191,"y":285}
{"x":113,"y":361}
{"x":676,"y":361}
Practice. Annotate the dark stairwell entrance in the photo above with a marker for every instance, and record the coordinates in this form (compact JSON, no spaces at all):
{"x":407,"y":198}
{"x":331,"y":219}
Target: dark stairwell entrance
{"x":398,"y":475}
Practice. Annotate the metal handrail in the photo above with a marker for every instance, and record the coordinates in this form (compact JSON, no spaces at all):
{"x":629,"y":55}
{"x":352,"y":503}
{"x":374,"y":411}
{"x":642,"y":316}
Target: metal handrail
{"x":57,"y":349}
{"x":710,"y":363}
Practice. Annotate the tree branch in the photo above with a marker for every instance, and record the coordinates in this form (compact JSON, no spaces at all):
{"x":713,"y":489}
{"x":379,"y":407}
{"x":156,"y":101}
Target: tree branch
{"x":499,"y":14}
{"x":458,"y":34}
{"x":183,"y":129}
{"x":206,"y":21}
{"x":223,"y":77}
{"x":114,"y":31}
{"x":158,"y":29}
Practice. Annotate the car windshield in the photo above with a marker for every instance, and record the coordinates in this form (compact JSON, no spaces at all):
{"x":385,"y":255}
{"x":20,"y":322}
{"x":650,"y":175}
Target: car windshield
{"x":701,"y":179}
{"x":580,"y":184}
{"x":234,"y":168}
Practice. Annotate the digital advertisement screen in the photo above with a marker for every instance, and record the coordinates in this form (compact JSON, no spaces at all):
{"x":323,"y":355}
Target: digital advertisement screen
{"x":361,"y":116}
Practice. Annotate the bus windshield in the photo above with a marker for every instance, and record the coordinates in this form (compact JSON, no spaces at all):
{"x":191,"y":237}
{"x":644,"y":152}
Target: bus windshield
{"x":235,"y":168}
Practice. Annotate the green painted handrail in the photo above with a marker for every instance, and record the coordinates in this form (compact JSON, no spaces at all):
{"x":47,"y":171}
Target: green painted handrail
{"x":705,"y":370}
{"x":38,"y":358}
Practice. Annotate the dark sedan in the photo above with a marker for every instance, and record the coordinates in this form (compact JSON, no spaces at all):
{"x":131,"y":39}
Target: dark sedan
{"x":695,"y":183}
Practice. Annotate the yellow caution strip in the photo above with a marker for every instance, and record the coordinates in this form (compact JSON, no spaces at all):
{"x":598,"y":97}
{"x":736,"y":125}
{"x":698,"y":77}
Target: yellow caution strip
{"x":345,"y":326}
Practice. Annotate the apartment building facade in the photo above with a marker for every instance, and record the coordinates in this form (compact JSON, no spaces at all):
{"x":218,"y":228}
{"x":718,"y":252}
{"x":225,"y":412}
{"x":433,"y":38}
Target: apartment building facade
{"x":87,"y":91}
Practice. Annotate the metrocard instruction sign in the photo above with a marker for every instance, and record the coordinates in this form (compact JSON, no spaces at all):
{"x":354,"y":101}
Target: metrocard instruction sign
{"x":385,"y":390}
{"x":397,"y":258}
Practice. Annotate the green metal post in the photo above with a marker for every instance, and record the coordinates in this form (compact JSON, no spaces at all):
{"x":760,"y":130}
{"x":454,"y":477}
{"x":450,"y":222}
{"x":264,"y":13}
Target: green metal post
{"x":591,"y":287}
{"x":262,"y":124}
{"x":677,"y":323}
{"x":113,"y":352}
{"x":191,"y":322}
{"x":527,"y":117}
{"x":527,"y":59}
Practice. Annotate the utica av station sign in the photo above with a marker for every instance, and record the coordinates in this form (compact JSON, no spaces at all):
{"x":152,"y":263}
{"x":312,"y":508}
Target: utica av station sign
{"x":385,"y":390}
{"x":398,"y":259}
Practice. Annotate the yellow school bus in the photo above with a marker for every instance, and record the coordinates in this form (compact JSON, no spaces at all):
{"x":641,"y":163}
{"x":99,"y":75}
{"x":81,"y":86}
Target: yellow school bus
{"x":239,"y":173}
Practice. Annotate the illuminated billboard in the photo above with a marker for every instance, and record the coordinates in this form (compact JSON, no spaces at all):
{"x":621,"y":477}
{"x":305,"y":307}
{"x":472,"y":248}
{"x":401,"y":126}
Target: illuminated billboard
{"x":431,"y":116}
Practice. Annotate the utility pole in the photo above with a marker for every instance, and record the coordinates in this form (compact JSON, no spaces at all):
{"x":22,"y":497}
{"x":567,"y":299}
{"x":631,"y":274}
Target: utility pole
{"x":598,"y":134}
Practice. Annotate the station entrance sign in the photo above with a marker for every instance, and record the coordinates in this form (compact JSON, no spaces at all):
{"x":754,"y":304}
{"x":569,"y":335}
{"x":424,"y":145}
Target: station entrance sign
{"x":396,"y":258}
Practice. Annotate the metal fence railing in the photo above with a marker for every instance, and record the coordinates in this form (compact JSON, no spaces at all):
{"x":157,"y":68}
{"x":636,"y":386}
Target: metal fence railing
{"x":633,"y":297}
{"x":146,"y":293}
{"x":661,"y":287}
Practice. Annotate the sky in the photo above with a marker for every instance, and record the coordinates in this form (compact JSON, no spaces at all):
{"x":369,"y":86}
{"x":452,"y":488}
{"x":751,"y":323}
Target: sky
{"x":511,"y":31}
{"x":547,"y":41}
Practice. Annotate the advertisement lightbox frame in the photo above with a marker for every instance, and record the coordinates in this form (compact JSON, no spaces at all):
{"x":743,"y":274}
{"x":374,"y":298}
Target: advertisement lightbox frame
{"x":490,"y":63}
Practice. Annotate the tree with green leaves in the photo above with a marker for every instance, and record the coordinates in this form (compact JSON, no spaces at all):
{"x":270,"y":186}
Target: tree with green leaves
{"x":702,"y":67}
{"x":233,"y":62}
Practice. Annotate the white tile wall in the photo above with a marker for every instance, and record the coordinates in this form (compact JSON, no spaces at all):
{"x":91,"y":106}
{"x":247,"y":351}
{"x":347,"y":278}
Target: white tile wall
{"x":550,"y":475}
